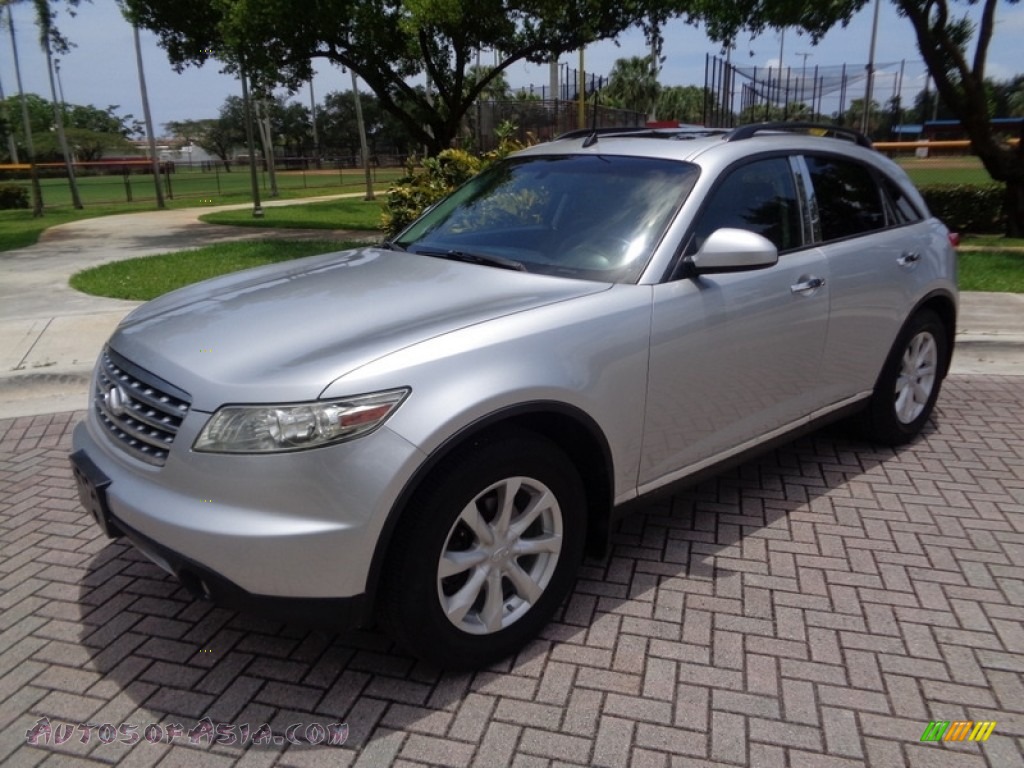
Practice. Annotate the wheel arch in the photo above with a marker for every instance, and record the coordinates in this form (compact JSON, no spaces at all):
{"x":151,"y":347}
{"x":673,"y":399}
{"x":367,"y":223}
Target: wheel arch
{"x":944,"y":306}
{"x":570,"y":429}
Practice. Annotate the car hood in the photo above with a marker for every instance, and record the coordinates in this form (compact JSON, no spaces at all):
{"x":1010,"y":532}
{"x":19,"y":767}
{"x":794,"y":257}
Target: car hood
{"x":284,"y":332}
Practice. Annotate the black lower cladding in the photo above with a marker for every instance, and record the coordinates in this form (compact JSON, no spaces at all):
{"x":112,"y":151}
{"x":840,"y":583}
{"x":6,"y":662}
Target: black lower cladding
{"x":92,"y":492}
{"x":321,"y":612}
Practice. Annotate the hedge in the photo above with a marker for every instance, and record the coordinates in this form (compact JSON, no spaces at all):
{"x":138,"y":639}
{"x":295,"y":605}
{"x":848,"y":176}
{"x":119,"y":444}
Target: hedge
{"x":13,"y":196}
{"x":967,"y":207}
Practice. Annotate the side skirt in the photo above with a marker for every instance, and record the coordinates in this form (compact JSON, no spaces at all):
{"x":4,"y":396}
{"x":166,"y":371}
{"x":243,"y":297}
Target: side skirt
{"x":697,"y":474}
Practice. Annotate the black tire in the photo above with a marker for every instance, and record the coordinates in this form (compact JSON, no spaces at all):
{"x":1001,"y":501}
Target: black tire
{"x":909,"y":384}
{"x":414,"y":593}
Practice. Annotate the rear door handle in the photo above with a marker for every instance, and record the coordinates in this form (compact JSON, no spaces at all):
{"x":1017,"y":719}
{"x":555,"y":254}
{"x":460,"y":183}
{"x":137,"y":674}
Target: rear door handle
{"x":907,"y":258}
{"x":808,"y":284}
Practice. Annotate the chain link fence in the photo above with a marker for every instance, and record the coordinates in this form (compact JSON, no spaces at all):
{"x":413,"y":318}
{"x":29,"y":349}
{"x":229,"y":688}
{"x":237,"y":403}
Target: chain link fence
{"x":112,"y":182}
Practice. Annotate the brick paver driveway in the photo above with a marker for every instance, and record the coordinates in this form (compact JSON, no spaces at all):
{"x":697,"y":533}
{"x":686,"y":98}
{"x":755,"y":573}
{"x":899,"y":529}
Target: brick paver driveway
{"x":815,"y":608}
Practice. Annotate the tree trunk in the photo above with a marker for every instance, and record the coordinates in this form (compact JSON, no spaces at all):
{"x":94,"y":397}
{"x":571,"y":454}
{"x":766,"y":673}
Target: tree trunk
{"x":1013,"y":207}
{"x":58,"y":119}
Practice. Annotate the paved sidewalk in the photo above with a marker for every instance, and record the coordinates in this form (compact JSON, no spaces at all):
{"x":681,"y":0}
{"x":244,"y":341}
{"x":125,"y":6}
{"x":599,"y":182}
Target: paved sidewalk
{"x":52,"y":334}
{"x":816,"y":608}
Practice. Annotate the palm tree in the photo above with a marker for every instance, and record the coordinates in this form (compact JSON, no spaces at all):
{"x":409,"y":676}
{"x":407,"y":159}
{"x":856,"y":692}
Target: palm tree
{"x":633,"y":84}
{"x":682,"y":103}
{"x":48,"y":35}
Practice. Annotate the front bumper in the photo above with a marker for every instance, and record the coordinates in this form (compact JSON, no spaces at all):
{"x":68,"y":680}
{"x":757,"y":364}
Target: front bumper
{"x":296,"y":528}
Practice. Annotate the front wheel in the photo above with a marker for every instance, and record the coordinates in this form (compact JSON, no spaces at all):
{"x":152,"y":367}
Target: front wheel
{"x":486,"y":552}
{"x":910,"y":381}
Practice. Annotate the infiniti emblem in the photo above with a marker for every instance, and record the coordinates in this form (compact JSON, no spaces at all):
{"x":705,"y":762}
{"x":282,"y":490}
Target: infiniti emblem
{"x":116,"y":400}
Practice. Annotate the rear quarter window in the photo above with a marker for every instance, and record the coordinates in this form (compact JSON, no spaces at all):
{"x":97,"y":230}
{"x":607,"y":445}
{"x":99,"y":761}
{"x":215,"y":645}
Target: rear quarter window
{"x":849,"y":200}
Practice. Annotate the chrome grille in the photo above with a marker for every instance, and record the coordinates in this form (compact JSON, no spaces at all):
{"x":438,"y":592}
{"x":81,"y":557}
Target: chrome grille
{"x":141,"y":412}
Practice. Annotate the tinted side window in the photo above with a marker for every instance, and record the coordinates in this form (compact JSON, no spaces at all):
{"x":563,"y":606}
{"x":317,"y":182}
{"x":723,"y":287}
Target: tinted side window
{"x":759,"y":197}
{"x":849,"y":200}
{"x":903,"y":209}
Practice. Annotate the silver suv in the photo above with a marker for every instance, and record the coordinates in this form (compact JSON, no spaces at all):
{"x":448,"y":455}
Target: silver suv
{"x":433,"y":432}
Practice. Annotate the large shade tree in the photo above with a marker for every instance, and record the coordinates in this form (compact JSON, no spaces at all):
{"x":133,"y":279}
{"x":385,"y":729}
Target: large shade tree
{"x":389,"y":43}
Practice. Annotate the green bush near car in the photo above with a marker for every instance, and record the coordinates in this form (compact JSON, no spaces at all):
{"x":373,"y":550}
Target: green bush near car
{"x":967,"y":207}
{"x":13,"y":196}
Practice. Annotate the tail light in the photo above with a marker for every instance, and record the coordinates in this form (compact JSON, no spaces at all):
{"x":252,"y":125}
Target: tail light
{"x":954,"y":239}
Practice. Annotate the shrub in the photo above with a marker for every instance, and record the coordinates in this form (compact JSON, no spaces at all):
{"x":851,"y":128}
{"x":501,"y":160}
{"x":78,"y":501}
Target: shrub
{"x":424,"y":184}
{"x":967,"y":207}
{"x":427,"y":182}
{"x":13,"y":196}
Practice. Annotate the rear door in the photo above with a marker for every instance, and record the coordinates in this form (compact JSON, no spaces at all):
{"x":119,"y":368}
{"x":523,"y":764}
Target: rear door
{"x":876,"y":243}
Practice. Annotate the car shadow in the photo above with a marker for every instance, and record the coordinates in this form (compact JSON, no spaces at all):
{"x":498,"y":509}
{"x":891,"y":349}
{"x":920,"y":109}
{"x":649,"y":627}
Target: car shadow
{"x":674,"y":568}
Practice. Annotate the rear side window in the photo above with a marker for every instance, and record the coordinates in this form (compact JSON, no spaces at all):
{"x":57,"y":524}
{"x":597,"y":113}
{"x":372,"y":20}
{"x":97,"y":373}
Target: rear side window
{"x":760,"y":197}
{"x":849,"y":201}
{"x":903,"y":209}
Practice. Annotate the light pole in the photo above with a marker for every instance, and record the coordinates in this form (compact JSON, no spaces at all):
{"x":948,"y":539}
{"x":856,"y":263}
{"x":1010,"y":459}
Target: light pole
{"x":866,"y":112}
{"x":803,"y":74}
{"x":257,"y":209}
{"x":312,"y":119}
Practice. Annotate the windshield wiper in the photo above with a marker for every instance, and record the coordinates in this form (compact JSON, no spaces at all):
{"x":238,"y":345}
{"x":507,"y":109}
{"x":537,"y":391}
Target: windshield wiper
{"x":477,"y":258}
{"x":391,"y":245}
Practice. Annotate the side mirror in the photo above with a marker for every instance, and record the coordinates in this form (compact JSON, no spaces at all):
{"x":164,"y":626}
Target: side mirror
{"x":733,"y":250}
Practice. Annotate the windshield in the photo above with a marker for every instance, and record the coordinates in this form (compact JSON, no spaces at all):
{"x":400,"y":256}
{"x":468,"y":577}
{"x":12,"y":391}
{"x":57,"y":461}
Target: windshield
{"x":595,"y":217}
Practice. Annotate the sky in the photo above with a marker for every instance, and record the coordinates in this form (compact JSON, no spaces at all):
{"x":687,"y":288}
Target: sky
{"x":100,"y":69}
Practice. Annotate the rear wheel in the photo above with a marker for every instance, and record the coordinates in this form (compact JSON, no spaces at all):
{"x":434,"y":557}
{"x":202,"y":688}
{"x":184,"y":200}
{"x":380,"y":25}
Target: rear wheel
{"x":910,"y":381}
{"x":486,"y":553}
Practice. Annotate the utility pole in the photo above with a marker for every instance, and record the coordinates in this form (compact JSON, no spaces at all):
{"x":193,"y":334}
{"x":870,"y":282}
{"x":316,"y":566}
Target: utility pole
{"x":33,"y":172}
{"x":58,"y":117}
{"x":866,"y":112}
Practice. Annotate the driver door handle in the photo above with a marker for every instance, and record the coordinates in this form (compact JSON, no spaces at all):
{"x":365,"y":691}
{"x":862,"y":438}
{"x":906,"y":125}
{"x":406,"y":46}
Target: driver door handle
{"x":908,"y":258}
{"x":809,"y":284}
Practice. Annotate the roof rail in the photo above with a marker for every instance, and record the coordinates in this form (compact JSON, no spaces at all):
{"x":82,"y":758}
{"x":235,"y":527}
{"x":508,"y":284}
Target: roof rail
{"x":579,"y":133}
{"x":823,"y":129}
{"x":640,"y":130}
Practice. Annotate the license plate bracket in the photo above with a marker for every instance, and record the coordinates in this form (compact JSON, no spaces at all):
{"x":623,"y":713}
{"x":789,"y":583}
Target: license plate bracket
{"x":92,"y":492}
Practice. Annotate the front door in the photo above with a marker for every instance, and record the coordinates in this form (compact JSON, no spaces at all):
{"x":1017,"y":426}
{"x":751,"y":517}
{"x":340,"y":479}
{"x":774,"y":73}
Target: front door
{"x":736,"y":356}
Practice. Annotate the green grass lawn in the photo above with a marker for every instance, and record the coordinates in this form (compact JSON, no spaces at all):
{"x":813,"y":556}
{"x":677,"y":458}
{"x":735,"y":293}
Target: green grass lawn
{"x":347,"y":213}
{"x":106,"y":195}
{"x":18,"y":228}
{"x":1000,"y":271}
{"x":147,"y":277}
{"x":992,"y":241}
{"x":209,"y":187}
{"x":945,"y":170}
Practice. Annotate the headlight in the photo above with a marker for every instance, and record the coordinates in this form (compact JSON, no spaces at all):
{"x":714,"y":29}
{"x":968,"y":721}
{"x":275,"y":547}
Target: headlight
{"x":295,"y":426}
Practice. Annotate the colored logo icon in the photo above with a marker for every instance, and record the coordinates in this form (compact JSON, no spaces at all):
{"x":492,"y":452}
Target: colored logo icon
{"x":958,"y":730}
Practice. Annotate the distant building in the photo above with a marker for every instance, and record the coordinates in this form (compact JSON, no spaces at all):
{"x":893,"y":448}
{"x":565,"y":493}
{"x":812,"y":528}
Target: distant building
{"x":951,"y":130}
